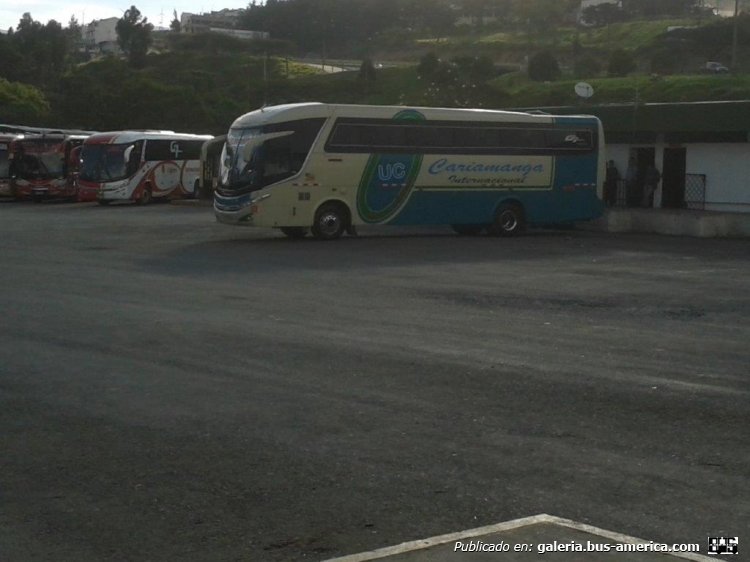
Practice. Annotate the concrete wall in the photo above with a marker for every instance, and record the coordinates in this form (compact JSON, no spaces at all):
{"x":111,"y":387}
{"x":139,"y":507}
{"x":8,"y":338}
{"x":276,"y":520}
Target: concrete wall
{"x":727,"y":170}
{"x":700,"y":224}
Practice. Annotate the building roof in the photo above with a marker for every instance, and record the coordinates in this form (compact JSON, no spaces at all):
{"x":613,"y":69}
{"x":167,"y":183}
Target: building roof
{"x":709,"y":121}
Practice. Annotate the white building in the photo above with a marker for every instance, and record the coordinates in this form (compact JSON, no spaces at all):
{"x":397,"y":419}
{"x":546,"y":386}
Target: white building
{"x":702,"y":150}
{"x":241,"y":33}
{"x":223,"y":19}
{"x":588,"y":3}
{"x":100,"y":37}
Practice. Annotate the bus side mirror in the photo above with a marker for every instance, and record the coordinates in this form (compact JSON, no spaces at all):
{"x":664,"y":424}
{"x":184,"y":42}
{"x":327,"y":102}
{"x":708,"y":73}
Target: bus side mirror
{"x":127,"y":153}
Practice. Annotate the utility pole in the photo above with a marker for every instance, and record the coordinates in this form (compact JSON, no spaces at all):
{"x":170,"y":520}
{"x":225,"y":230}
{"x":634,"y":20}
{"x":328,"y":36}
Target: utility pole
{"x":265,"y":78}
{"x":734,"y":35}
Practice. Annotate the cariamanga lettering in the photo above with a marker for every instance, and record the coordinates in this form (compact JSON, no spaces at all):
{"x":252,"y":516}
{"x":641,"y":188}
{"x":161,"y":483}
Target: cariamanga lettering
{"x":445,"y":165}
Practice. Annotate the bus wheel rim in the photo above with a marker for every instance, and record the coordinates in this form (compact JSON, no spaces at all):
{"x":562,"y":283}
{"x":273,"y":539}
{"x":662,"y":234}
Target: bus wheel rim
{"x":508,"y":221}
{"x":330,"y":223}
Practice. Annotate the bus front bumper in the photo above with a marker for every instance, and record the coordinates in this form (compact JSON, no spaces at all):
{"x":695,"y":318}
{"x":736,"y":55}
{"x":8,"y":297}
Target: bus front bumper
{"x":234,"y":210}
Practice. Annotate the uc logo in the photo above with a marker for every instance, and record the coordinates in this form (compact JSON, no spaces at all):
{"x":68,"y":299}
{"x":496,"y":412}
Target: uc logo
{"x":394,"y":171}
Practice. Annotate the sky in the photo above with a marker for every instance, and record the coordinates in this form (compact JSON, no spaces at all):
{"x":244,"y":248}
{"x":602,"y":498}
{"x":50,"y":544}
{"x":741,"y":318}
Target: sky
{"x":87,"y":10}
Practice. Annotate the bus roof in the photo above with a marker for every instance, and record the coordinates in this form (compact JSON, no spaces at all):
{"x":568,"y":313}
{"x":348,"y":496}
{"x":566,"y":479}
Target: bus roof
{"x":23,"y":129}
{"x":55,"y":136}
{"x":294,"y":111}
{"x":121,"y":137}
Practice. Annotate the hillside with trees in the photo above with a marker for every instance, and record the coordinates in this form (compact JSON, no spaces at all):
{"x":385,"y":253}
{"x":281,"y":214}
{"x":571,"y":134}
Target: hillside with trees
{"x":478,"y":53}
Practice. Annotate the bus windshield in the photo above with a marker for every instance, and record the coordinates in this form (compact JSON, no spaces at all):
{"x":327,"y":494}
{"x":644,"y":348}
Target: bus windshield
{"x":254,"y":158}
{"x":41,"y":159}
{"x":240,"y":159}
{"x":107,"y":162}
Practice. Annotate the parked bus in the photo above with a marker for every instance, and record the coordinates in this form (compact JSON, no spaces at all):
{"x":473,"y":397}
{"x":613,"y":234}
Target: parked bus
{"x":327,"y":168}
{"x":210,"y":165}
{"x":139,"y":166}
{"x":44,"y":165}
{"x":5,"y":140}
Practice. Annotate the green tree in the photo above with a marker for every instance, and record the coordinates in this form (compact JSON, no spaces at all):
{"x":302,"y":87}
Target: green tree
{"x":603,"y":14}
{"x":43,"y":50}
{"x":621,"y":63}
{"x":669,"y":58}
{"x":544,"y":17}
{"x":174,"y":25}
{"x":543,"y":67}
{"x":74,"y":40}
{"x":367,"y":71}
{"x":12,"y":64}
{"x":134,"y":36}
{"x":428,"y":66}
{"x":22,"y":103}
{"x":587,"y":67}
{"x":475,"y":69}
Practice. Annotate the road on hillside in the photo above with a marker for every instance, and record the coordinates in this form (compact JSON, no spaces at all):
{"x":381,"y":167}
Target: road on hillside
{"x":171,"y":388}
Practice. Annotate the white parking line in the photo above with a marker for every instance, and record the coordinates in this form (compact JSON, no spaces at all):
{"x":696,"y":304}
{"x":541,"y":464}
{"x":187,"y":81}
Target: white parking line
{"x":508,"y":526}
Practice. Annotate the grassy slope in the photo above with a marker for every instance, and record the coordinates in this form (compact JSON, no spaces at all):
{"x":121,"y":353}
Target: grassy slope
{"x":203,"y":90}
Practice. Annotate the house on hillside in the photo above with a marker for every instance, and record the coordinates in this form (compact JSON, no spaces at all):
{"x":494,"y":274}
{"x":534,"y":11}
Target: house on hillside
{"x":702,"y":150}
{"x":223,"y":21}
{"x":196,"y":23}
{"x":100,"y":37}
{"x":589,"y":3}
{"x":724,"y":8}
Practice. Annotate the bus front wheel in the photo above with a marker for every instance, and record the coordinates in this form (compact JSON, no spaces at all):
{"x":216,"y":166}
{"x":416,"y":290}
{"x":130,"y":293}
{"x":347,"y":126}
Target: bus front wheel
{"x":145,"y":197}
{"x":330,"y":221}
{"x":294,"y":232}
{"x":509,"y":220}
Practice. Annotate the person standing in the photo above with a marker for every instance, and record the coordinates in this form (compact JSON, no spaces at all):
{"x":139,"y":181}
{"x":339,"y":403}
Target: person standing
{"x":611,"y":180}
{"x":650,"y":183}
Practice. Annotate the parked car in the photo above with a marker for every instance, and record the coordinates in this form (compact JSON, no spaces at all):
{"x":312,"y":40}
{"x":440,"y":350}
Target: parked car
{"x":716,"y":67}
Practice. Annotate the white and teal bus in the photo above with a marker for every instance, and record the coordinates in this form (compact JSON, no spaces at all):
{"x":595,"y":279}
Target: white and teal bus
{"x":327,"y":168}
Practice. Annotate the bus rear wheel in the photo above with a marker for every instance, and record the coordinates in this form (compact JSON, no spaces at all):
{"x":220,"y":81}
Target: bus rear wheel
{"x":331,"y":221}
{"x":467,"y":229}
{"x":509,"y":220}
{"x":294,"y":232}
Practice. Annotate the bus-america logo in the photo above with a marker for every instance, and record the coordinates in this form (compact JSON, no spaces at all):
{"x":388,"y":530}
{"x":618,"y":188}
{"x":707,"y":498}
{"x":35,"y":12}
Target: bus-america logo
{"x":388,"y":179}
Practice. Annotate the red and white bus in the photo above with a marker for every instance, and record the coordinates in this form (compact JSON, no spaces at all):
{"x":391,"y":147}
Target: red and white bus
{"x":139,"y":166}
{"x":44,"y":165}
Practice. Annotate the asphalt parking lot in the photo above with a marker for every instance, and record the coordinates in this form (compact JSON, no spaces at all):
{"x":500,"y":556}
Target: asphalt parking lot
{"x":175,"y":389}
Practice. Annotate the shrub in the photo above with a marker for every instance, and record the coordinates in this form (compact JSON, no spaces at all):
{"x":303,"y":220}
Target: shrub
{"x":543,"y":67}
{"x":587,"y":67}
{"x":621,"y":63}
{"x":428,"y":66}
{"x":367,"y":71}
